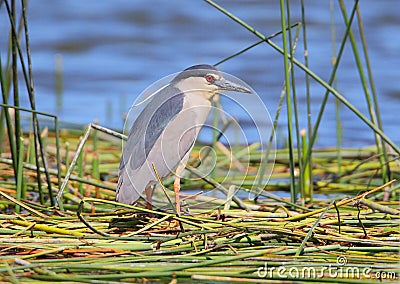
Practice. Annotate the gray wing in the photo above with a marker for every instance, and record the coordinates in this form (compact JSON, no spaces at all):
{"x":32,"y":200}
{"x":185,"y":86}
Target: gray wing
{"x":151,"y":122}
{"x":145,"y":131}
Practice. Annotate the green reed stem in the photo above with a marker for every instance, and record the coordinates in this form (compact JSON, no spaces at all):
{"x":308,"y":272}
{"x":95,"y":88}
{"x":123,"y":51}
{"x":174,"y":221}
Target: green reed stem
{"x":29,"y":85}
{"x":312,"y":75}
{"x":331,"y":79}
{"x":80,"y":171}
{"x":264,"y":161}
{"x":13,"y":278}
{"x":337,"y":102}
{"x":20,"y":178}
{"x":264,"y":164}
{"x":387,"y":172}
{"x":59,"y":82}
{"x":251,"y":46}
{"x":8,"y":120}
{"x":300,"y":250}
{"x":5,"y":88}
{"x":298,"y":188}
{"x":307,"y":188}
{"x":66,"y":156}
{"x":14,"y":42}
{"x":8,"y":77}
{"x":95,"y":166}
{"x":31,"y":151}
{"x":364,"y":83}
{"x":58,"y":152}
{"x":308,"y":94}
{"x":288,"y":103}
{"x":36,"y":129}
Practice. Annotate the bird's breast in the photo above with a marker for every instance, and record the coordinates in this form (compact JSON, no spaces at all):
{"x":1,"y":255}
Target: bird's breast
{"x":197,"y":106}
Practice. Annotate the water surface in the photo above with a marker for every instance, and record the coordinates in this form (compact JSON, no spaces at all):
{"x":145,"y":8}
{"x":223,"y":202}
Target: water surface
{"x":112,"y":50}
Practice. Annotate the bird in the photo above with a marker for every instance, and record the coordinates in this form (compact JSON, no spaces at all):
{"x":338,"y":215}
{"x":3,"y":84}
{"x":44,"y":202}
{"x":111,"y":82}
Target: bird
{"x":164,"y":133}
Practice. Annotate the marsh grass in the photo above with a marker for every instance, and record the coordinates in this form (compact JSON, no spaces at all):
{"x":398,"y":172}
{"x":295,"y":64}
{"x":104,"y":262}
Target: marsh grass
{"x":116,"y":242}
{"x":75,"y":232}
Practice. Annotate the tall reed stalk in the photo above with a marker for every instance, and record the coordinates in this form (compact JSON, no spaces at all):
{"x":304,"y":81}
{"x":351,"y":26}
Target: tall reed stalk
{"x":14,"y":42}
{"x":335,"y":84}
{"x":288,"y":103}
{"x":28,"y":79}
{"x":307,"y":172}
{"x":314,"y":76}
{"x":373,"y":109}
{"x":385,"y":168}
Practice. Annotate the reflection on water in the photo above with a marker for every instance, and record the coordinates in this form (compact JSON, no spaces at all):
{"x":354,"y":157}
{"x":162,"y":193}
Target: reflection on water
{"x":112,"y":50}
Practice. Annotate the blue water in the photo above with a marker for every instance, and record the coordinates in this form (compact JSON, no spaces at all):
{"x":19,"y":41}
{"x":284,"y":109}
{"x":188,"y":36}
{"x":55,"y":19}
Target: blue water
{"x":112,"y":50}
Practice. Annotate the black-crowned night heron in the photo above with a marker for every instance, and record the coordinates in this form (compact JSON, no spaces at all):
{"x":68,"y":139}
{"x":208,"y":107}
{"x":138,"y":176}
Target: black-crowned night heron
{"x":164,"y":133}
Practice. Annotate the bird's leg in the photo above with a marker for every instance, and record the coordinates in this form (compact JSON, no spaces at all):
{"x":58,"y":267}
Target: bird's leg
{"x":177,"y":183}
{"x":149,"y":193}
{"x":177,"y":187}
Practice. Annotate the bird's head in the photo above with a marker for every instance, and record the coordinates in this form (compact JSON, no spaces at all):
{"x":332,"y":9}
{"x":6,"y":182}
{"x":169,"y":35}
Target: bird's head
{"x":207,"y":79}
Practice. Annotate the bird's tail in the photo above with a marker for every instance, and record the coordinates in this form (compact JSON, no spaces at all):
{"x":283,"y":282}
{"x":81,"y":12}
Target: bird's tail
{"x":128,"y":191}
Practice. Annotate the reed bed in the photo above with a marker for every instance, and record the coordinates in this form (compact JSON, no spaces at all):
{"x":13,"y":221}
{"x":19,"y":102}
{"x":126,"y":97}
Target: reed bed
{"x":94,"y":239}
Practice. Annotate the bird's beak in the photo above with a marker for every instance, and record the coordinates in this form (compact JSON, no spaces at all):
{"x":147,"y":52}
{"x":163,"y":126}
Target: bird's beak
{"x":228,"y":86}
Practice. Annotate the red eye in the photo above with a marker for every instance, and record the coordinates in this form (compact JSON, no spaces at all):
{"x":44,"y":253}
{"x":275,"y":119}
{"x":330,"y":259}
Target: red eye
{"x":209,"y":78}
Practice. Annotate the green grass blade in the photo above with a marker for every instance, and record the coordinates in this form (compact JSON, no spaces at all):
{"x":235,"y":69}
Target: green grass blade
{"x":288,"y":103}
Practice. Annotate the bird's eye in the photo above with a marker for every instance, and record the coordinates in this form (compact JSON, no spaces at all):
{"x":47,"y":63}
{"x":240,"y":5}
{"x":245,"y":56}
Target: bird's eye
{"x":210,"y":78}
